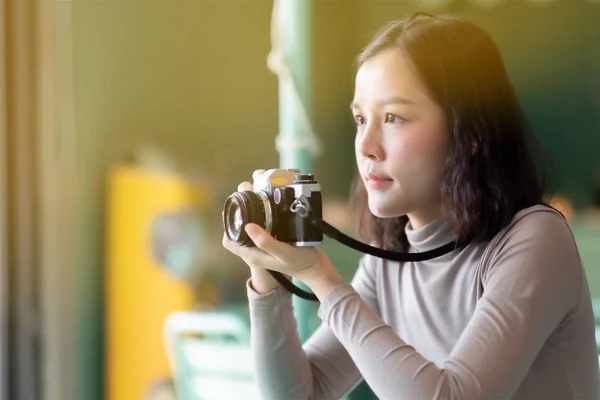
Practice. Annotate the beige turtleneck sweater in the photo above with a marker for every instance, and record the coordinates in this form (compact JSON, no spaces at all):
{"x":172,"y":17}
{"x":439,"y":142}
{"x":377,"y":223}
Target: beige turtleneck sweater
{"x":511,"y":318}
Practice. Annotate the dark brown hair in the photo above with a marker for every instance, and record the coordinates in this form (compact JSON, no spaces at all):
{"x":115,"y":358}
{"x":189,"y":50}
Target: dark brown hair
{"x":490,"y":173}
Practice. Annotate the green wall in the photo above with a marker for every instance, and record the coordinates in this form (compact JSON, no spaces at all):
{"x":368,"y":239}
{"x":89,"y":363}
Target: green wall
{"x":191,"y":77}
{"x":553,"y":55}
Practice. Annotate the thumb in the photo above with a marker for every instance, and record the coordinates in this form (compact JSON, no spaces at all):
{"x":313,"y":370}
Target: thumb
{"x":264,"y":241}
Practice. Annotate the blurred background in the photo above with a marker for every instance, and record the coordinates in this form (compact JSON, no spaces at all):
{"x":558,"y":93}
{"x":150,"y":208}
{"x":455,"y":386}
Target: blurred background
{"x":126,"y":123}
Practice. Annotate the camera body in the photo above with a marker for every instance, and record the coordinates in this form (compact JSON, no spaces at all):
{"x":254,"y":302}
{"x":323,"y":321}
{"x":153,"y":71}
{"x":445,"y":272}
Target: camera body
{"x":278,"y":203}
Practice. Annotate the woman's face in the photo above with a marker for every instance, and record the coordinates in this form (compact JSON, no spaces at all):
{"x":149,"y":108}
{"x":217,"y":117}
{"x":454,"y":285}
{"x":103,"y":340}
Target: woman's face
{"x":402,"y":140}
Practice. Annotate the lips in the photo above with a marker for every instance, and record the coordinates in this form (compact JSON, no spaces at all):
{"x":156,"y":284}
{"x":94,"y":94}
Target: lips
{"x":378,"y":182}
{"x":378,"y":178}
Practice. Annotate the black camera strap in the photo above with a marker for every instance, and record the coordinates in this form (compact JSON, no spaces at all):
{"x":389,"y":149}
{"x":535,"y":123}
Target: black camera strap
{"x":337,"y":235}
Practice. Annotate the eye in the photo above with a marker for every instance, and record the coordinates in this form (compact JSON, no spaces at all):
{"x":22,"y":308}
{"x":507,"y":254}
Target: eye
{"x":394,"y":119}
{"x":359,"y":120}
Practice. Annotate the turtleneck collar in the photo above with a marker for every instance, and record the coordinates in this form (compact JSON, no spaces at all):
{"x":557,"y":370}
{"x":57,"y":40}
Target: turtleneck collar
{"x":434,"y":234}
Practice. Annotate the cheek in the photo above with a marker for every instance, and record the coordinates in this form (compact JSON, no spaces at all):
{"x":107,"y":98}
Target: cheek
{"x":420,"y":151}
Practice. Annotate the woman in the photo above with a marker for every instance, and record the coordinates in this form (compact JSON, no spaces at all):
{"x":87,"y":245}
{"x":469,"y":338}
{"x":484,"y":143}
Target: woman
{"x":442,"y":154}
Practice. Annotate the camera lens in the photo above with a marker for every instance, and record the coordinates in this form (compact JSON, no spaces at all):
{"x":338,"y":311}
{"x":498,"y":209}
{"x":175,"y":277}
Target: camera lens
{"x":246,"y":207}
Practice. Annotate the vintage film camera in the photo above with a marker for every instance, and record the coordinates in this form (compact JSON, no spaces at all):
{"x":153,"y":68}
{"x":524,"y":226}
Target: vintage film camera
{"x":280,"y":202}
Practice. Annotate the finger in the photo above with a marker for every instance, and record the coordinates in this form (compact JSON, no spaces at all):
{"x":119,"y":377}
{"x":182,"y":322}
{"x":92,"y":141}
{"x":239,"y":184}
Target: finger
{"x":251,"y":255}
{"x":244,"y":186}
{"x":233,"y":247}
{"x":264,"y":241}
{"x":256,"y":173}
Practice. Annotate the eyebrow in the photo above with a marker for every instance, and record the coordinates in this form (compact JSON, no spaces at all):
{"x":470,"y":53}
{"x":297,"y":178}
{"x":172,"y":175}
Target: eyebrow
{"x":388,"y":101}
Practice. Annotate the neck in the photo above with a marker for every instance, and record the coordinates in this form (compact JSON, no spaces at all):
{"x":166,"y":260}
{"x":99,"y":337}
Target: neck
{"x":437,"y":232}
{"x":419,"y":219}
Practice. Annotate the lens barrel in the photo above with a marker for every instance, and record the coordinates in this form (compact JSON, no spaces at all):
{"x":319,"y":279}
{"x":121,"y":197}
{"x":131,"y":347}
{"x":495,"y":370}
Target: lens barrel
{"x":242,"y":208}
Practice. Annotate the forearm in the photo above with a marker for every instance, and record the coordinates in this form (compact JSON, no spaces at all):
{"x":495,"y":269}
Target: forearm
{"x":322,"y":279}
{"x":322,"y":369}
{"x":392,"y":368}
{"x":281,"y":366}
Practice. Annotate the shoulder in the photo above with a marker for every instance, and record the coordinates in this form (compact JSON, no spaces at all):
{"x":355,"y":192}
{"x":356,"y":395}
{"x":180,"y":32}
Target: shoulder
{"x":534,"y":261}
{"x":537,"y":242}
{"x":540,"y":224}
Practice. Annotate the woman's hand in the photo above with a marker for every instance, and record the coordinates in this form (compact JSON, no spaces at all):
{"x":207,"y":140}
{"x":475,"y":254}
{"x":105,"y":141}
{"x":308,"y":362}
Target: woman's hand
{"x":308,"y":264}
{"x":272,"y":254}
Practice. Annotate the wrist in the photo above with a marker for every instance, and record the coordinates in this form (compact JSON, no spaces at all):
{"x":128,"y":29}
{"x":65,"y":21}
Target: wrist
{"x":261,"y":281}
{"x":322,"y":278}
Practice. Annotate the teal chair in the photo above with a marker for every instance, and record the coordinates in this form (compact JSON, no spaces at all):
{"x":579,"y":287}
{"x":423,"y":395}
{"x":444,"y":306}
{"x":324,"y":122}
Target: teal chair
{"x":596,"y":305}
{"x":209,"y":355}
{"x":587,"y":235}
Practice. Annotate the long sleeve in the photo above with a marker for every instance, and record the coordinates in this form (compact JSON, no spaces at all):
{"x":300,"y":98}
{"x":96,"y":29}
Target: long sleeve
{"x":284,"y":369}
{"x":533,"y":281}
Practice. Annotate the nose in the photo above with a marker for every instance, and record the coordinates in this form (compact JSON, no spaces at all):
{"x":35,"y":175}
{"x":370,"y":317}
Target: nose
{"x":369,"y":143}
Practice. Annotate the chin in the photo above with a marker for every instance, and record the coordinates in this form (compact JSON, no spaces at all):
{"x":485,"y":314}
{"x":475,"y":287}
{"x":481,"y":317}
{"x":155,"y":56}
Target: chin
{"x":384,"y":210}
